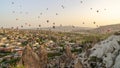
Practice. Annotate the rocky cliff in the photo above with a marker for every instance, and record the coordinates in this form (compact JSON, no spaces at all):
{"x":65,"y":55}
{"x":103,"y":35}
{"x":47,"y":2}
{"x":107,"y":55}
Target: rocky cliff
{"x":105,"y":54}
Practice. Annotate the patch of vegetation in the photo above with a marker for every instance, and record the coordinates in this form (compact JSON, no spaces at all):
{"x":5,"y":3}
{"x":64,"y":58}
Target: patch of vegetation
{"x":117,"y":33}
{"x":95,"y":59}
{"x":54,"y":54}
{"x":76,"y":50}
{"x":119,"y":42}
{"x":4,"y":54}
{"x":18,"y":66}
{"x":11,"y":62}
{"x":24,"y":43}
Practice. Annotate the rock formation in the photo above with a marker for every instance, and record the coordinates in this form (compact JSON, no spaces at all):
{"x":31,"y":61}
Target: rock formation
{"x":69,"y":60}
{"x":105,"y":54}
{"x":42,"y":53}
{"x":29,"y":58}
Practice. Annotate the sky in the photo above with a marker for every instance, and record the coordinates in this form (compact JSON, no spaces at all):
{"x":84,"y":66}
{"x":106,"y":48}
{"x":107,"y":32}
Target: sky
{"x":15,"y":13}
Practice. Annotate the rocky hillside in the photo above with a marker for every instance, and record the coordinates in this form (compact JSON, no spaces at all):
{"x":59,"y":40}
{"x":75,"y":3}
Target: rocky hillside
{"x":108,"y":28}
{"x":68,"y":29}
{"x":105,"y":54}
{"x":102,"y":29}
{"x":30,"y":59}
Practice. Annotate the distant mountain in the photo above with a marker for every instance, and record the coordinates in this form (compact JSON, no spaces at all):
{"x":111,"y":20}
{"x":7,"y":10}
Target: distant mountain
{"x":101,"y":29}
{"x":67,"y":28}
{"x":107,"y":28}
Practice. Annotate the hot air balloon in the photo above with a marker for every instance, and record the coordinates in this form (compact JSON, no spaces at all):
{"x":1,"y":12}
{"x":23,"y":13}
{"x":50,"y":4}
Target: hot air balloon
{"x":108,"y":30}
{"x":97,"y":25}
{"x":47,"y":21}
{"x":94,"y":22}
{"x":38,"y":16}
{"x":20,"y":12}
{"x":46,"y":8}
{"x":56,"y":13}
{"x":40,"y":13}
{"x":73,"y":26}
{"x":17,"y":28}
{"x":60,"y":25}
{"x":25,"y":23}
{"x":39,"y":25}
{"x":20,"y":6}
{"x":13,"y":11}
{"x":12,"y":27}
{"x":91,"y":8}
{"x":53,"y":23}
{"x":21,"y":26}
{"x":97,"y":11}
{"x":26,"y":12}
{"x":62,"y":6}
{"x":53,"y":27}
{"x":81,"y":1}
{"x":29,"y":25}
{"x":12,"y":2}
{"x":37,"y":28}
{"x":105,"y":9}
{"x":1,"y":27}
{"x":83,"y":23}
{"x":17,"y":19}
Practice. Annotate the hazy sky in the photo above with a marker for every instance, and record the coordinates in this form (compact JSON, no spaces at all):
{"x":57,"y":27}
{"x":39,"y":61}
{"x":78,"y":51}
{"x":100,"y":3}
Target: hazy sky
{"x":74,"y":13}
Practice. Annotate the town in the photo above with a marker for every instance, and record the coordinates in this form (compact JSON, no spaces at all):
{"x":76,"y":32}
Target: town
{"x":60,"y":49}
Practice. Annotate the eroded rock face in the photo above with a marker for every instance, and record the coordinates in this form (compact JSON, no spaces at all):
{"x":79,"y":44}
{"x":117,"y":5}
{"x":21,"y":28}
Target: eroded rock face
{"x":29,"y":58}
{"x":78,"y":64}
{"x":104,"y":54}
{"x":42,"y":54}
{"x":69,"y":60}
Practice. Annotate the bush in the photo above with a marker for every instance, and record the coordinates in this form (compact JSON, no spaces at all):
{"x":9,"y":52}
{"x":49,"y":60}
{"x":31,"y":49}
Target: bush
{"x":117,"y":33}
{"x":18,"y":66}
{"x":77,"y":50}
{"x":53,"y":54}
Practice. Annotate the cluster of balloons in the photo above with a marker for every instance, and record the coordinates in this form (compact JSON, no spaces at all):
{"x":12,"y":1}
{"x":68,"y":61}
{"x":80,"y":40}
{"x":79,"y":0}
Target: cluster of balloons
{"x":47,"y":21}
